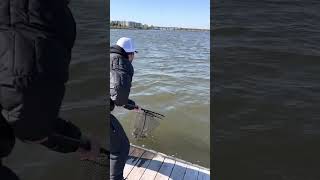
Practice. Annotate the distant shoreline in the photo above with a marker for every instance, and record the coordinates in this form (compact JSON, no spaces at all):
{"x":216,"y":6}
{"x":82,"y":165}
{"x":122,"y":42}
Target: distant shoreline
{"x":161,"y":29}
{"x":139,"y":26}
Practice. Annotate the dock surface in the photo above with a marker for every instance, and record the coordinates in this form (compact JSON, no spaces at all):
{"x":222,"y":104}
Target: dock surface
{"x":145,"y":164}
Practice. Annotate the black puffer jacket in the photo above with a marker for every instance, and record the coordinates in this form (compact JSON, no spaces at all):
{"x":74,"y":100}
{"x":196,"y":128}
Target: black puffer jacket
{"x":36,"y":38}
{"x":121,"y":73}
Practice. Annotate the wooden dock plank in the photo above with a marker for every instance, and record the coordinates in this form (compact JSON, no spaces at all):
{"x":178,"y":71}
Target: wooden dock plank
{"x":141,"y":166}
{"x":191,"y":173}
{"x":131,"y":162}
{"x":131,"y":150}
{"x":203,"y":174}
{"x":166,"y":169}
{"x":145,"y":164}
{"x":178,"y":171}
{"x":154,"y":166}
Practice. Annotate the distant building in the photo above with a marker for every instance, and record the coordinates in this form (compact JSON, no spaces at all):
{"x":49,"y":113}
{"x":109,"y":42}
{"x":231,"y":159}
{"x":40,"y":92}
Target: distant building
{"x":132,"y":24}
{"x":126,"y":24}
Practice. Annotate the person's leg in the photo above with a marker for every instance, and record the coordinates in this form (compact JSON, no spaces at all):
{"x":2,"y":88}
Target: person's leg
{"x":119,"y":149}
{"x":33,"y":115}
{"x":7,"y":142}
{"x":7,"y":139}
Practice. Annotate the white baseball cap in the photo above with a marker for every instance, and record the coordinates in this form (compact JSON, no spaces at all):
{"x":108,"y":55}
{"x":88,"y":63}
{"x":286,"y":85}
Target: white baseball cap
{"x":126,"y":44}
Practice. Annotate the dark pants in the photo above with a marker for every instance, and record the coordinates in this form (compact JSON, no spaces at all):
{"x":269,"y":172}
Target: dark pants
{"x":7,"y":138}
{"x":30,"y":115}
{"x":7,"y":174}
{"x":119,"y":149}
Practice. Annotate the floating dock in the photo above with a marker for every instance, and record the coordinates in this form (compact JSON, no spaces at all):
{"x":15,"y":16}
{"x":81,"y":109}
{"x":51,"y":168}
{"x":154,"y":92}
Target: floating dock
{"x":145,"y":164}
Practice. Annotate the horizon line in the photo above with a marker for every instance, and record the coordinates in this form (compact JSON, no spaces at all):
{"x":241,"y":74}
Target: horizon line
{"x":163,"y":26}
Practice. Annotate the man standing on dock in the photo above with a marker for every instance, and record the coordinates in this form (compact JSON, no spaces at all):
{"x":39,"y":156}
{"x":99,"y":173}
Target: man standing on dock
{"x":121,"y":73}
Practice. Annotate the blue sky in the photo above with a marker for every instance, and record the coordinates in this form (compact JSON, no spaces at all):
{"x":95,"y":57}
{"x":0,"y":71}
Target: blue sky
{"x":174,"y":13}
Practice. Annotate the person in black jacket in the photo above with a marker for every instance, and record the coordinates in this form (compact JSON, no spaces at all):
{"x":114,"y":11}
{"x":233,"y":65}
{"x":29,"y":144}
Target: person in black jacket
{"x":36,"y":40}
{"x":121,"y":73}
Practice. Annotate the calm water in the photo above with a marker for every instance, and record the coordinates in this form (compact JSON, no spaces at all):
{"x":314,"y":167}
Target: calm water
{"x":84,"y":100}
{"x":172,"y":76}
{"x":266,"y":89}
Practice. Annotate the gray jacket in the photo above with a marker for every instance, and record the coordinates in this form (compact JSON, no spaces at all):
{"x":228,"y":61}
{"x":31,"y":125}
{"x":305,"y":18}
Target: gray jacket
{"x":121,"y":73}
{"x":36,"y":38}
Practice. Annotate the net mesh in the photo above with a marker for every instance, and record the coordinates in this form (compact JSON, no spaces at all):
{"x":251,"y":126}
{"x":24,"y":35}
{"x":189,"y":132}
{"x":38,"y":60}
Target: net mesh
{"x":96,"y":170}
{"x":144,"y":124}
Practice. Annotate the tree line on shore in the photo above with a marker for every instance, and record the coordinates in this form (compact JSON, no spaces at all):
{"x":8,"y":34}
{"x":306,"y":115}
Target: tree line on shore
{"x":134,"y":25}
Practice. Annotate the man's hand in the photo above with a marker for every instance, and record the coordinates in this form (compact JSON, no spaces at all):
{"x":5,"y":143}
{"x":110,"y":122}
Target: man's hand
{"x":94,"y":151}
{"x":137,"y":109}
{"x":131,"y":105}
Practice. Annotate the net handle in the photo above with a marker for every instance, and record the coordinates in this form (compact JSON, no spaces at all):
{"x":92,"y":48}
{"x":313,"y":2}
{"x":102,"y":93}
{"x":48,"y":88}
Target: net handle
{"x":152,"y":112}
{"x":84,"y":145}
{"x":146,"y":110}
